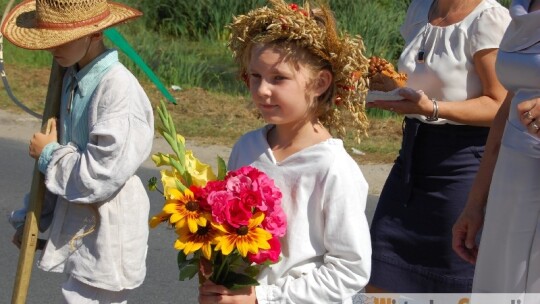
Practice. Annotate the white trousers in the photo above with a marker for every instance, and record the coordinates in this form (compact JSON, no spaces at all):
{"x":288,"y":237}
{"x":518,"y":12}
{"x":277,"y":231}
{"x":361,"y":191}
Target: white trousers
{"x":76,"y":292}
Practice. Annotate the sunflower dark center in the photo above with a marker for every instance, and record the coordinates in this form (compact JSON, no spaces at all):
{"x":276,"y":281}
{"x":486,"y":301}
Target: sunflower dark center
{"x":192,"y":206}
{"x":202,"y":230}
{"x":242,"y":230}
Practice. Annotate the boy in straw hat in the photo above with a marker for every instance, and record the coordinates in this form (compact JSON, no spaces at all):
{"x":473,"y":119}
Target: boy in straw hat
{"x":99,"y":232}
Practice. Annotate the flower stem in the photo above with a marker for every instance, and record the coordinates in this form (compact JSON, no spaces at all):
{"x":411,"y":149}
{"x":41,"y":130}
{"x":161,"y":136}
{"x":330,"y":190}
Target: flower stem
{"x":223,"y":269}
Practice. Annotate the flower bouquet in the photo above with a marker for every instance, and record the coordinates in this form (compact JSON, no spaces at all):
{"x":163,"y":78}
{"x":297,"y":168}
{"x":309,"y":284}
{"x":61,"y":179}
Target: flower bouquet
{"x":231,"y":221}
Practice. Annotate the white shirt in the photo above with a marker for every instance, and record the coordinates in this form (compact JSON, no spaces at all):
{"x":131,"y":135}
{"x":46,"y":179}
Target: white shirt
{"x":326,"y":253}
{"x":95,"y":181}
{"x":448,"y":72}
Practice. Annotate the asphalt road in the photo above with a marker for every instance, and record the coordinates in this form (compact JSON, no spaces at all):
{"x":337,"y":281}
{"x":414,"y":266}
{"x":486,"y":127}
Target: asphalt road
{"x":161,"y":284}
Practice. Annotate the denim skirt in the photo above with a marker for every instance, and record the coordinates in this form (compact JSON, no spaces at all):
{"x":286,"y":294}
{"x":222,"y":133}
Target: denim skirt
{"x":424,"y":194}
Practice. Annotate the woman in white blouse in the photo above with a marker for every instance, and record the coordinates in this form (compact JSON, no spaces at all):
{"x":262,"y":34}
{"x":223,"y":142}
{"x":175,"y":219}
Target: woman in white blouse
{"x":452,"y":97}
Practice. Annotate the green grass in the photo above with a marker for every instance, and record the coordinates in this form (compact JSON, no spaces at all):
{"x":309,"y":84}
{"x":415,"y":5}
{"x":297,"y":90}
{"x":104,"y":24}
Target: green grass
{"x":185,"y":41}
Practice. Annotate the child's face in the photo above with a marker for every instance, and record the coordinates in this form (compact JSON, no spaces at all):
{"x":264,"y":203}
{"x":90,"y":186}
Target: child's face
{"x":280,"y":89}
{"x":72,"y":52}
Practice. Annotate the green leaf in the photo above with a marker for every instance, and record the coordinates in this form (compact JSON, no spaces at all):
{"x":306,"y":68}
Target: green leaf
{"x":188,"y":272}
{"x":253,"y":270}
{"x":222,"y":168}
{"x":188,"y":267}
{"x":181,"y":258}
{"x":235,"y":280}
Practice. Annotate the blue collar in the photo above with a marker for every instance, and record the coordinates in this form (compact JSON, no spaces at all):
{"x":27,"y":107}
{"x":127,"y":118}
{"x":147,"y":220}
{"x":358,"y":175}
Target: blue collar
{"x":87,"y":77}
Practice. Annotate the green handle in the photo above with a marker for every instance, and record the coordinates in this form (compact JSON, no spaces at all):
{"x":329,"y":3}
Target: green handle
{"x":123,"y":45}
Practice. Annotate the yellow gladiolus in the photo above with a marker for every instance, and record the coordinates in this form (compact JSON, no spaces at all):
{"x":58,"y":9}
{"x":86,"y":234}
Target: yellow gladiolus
{"x":168,"y":179}
{"x":200,"y":172}
{"x":181,"y":139}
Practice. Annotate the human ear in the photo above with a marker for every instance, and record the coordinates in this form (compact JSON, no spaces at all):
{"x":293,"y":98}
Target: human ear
{"x":96,"y":36}
{"x":323,"y":82}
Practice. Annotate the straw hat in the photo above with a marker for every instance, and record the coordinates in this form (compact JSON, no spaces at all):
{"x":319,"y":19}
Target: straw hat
{"x":314,"y":31}
{"x":43,"y":24}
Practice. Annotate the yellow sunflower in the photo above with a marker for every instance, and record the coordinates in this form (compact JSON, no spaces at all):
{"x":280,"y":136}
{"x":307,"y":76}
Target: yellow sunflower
{"x":203,"y":239}
{"x":246,"y":239}
{"x":184,"y":209}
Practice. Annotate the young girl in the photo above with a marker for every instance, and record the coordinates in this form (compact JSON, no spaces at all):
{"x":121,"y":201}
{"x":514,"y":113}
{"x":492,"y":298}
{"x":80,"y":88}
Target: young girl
{"x":99,"y":231}
{"x":294,"y":79}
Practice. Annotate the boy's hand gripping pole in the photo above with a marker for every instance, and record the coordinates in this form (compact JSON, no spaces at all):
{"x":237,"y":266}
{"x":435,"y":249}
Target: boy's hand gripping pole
{"x":37,"y":192}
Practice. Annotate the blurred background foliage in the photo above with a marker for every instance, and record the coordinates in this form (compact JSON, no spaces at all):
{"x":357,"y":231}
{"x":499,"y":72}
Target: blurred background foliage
{"x":188,"y":46}
{"x":184,"y":41}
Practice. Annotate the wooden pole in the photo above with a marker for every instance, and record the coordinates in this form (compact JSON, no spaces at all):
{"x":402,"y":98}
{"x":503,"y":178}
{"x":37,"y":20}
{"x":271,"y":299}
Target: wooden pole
{"x":37,"y":192}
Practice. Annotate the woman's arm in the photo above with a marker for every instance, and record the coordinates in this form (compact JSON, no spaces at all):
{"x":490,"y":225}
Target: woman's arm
{"x":478,"y":111}
{"x":470,"y":221}
{"x":482,"y":110}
